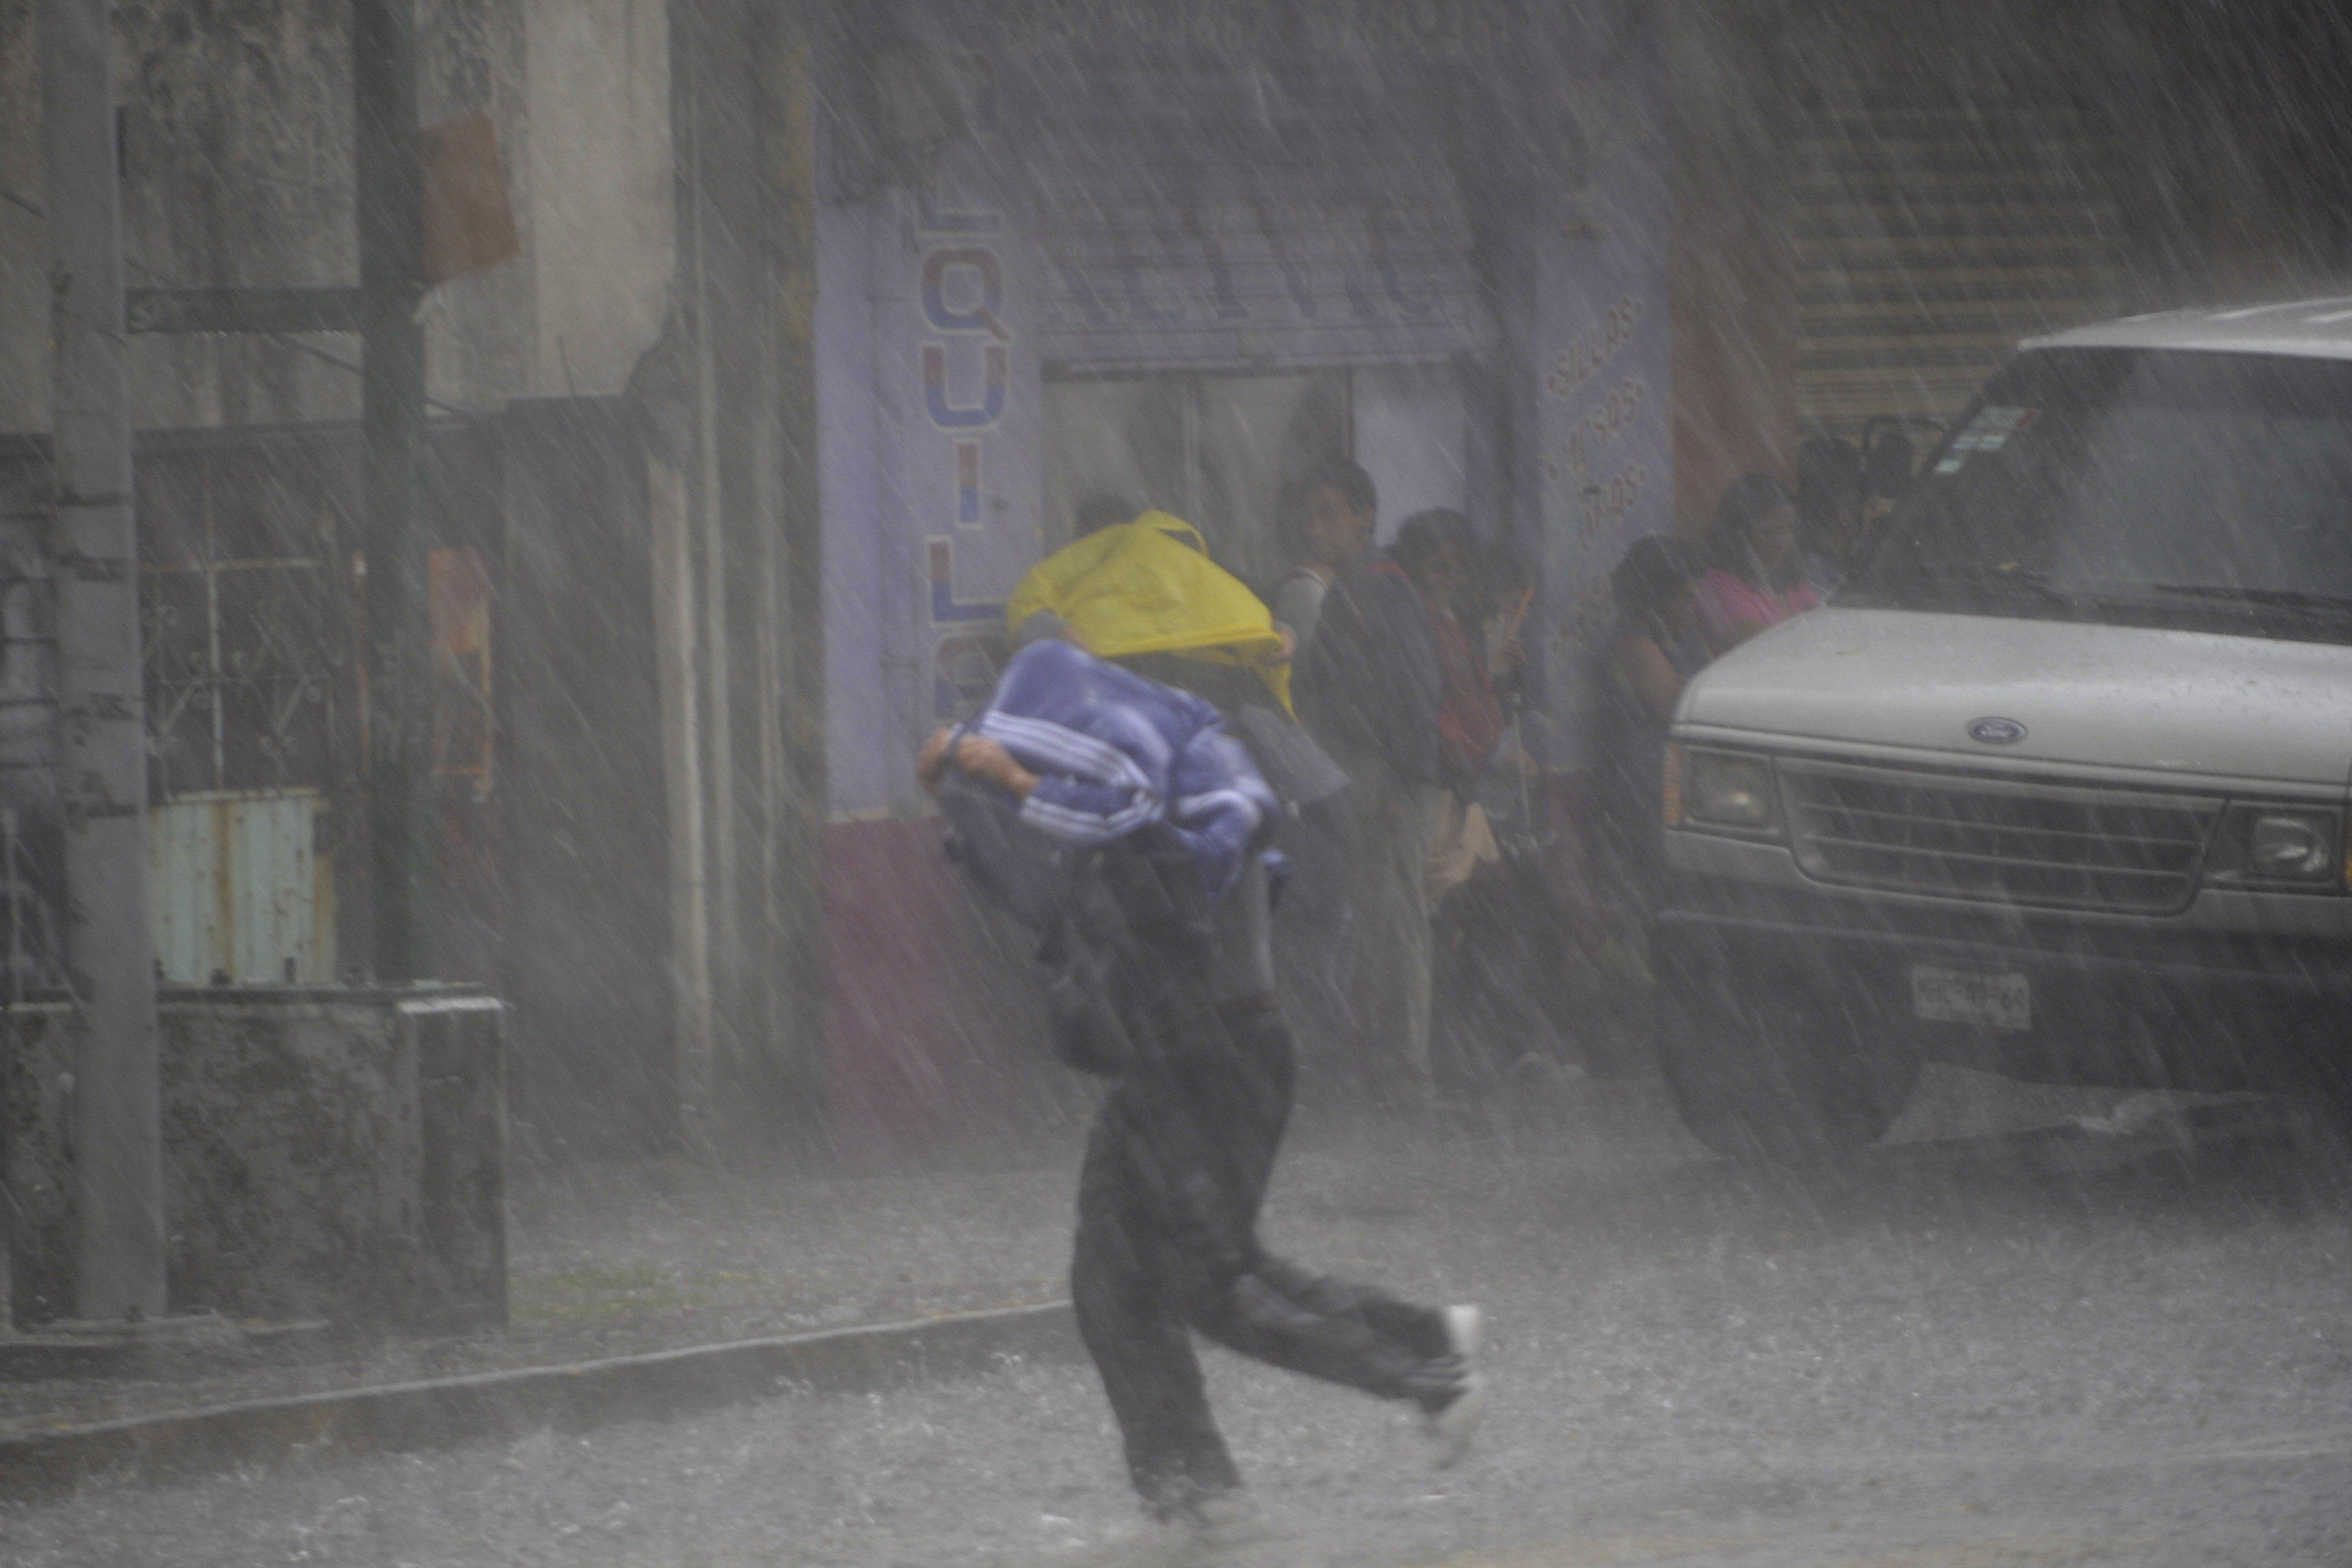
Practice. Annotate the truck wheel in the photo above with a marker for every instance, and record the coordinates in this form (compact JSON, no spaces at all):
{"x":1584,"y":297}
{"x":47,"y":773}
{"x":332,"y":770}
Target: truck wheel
{"x":1772,"y":1068}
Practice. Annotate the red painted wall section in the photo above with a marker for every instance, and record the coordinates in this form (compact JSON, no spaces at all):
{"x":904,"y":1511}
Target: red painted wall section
{"x":937,"y":1044}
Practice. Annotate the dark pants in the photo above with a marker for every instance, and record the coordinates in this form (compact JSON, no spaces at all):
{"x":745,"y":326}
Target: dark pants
{"x":1312,"y":940}
{"x":1166,"y":1239}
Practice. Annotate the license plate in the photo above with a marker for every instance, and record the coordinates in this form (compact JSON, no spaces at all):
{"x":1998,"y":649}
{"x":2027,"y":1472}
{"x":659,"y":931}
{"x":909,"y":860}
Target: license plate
{"x":1997,"y":1001}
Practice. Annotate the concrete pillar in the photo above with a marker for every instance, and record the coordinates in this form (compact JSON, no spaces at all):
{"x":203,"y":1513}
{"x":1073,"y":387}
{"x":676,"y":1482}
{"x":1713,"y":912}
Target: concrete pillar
{"x":732,"y":399}
{"x":390,"y":183}
{"x":102,"y":743}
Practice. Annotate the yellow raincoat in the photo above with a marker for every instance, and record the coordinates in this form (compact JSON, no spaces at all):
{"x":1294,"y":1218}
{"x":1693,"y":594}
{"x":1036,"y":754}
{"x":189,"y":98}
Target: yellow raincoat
{"x":1148,"y":586}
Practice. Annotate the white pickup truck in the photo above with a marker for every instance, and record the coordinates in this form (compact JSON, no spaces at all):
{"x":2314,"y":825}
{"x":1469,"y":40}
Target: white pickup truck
{"x":2056,"y":784}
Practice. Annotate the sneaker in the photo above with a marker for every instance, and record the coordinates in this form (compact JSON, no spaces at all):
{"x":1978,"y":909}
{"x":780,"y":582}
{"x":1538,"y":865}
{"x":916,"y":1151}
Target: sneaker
{"x":1218,"y":1519}
{"x":1453,"y":1421}
{"x":1466,"y":1331}
{"x":1224,"y":1521}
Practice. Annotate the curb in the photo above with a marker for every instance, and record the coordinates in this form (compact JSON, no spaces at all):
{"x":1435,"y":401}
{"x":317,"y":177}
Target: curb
{"x":405,"y":1416}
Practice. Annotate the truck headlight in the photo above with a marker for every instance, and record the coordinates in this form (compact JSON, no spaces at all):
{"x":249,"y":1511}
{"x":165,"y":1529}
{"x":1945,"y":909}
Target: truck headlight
{"x":2295,"y":845}
{"x":1727,"y":789}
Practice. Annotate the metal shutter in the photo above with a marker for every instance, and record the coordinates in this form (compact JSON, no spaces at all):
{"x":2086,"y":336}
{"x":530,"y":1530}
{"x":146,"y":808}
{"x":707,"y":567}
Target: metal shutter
{"x":1241,"y":219}
{"x":1931,"y":235}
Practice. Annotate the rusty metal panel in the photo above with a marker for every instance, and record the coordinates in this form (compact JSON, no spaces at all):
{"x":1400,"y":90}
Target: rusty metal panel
{"x":183,"y":851}
{"x":469,"y":218}
{"x":242,"y":888}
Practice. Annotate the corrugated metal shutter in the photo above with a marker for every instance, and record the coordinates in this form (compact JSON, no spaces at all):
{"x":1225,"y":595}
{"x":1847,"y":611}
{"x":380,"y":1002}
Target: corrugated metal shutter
{"x":1931,"y":236}
{"x":1242,"y":219}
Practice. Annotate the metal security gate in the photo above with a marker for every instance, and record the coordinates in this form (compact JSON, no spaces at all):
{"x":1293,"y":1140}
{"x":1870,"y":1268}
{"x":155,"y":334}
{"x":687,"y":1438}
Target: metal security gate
{"x":1224,"y":252}
{"x":247,"y":611}
{"x":251,"y":624}
{"x":1238,"y":220}
{"x":1931,"y":235}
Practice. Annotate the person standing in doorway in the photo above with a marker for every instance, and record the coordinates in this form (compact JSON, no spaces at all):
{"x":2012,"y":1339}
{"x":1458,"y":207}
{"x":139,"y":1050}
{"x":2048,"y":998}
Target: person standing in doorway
{"x":1314,"y":939}
{"x":1759,"y":578}
{"x":1325,"y":533}
{"x":1430,"y":553}
{"x":1647,"y":659}
{"x":1370,"y":686}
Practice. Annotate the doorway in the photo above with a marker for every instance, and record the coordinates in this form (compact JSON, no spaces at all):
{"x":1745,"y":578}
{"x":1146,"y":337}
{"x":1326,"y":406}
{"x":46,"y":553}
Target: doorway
{"x":1216,"y":450}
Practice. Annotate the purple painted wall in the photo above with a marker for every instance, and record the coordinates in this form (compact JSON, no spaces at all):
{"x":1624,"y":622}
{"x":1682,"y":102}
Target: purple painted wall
{"x":849,"y":492}
{"x":1598,"y":472}
{"x":931,"y":482}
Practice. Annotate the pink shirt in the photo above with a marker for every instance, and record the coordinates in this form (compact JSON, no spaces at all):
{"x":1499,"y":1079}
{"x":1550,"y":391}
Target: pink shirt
{"x":1724,"y":601}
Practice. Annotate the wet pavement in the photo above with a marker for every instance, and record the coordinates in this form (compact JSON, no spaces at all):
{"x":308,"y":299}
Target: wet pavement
{"x":2038,"y":1326}
{"x":646,"y":1256}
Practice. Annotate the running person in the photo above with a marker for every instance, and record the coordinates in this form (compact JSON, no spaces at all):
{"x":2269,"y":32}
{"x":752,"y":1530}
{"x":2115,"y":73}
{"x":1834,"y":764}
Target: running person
{"x":1155,"y":915}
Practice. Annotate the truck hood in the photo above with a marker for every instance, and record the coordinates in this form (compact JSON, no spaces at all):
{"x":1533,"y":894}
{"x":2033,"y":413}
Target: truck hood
{"x":2125,"y":699}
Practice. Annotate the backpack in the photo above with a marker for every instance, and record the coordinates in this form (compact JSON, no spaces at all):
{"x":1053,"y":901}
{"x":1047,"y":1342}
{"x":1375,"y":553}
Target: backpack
{"x":1096,"y":911}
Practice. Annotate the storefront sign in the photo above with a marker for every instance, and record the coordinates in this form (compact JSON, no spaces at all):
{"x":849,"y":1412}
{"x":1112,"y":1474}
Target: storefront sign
{"x":1601,"y":416}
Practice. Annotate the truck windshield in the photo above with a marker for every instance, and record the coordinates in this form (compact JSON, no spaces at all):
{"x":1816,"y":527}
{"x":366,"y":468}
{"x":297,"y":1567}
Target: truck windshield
{"x":2196,"y":490}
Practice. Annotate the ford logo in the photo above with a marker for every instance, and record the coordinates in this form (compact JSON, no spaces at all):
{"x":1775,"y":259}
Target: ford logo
{"x":1995,"y":732}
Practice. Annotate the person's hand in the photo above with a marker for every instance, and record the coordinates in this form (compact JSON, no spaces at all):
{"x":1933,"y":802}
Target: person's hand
{"x":975,"y":754}
{"x":985,"y":758}
{"x":1511,"y":655}
{"x":932,"y":760}
{"x":1268,"y":658}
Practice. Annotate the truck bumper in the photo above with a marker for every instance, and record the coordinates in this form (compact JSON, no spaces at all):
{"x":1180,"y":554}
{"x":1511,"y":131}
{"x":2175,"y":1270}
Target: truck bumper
{"x":2102,"y":1003}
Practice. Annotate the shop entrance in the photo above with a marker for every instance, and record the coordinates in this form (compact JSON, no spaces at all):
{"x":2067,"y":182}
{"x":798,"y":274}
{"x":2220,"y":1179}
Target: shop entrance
{"x":1216,"y":450}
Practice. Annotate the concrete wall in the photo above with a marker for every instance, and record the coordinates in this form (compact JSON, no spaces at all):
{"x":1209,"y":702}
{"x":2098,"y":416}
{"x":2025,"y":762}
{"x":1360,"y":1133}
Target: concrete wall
{"x":600,"y":249}
{"x":237,"y":171}
{"x":337,"y":1154}
{"x":480,"y":342}
{"x":727,"y":401}
{"x":588,"y":943}
{"x":24,"y":239}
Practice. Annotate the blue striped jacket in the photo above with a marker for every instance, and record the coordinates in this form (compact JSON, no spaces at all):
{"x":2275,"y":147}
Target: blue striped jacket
{"x":1115,"y":752}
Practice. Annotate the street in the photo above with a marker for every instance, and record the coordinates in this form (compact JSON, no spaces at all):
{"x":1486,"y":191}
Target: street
{"x":2039,"y":1326}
